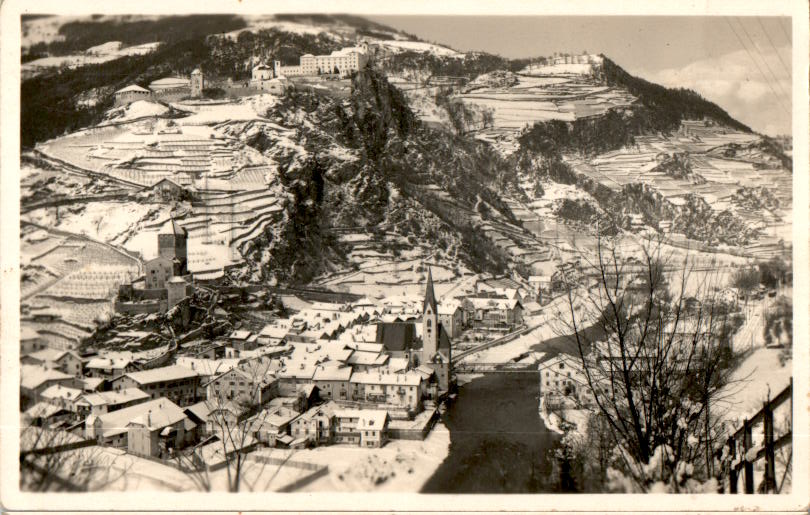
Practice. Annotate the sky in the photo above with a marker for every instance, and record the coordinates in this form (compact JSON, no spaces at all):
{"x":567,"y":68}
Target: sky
{"x":741,"y":63}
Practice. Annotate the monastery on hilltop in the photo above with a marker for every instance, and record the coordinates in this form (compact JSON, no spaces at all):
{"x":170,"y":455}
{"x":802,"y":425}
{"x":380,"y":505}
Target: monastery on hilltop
{"x":341,"y":62}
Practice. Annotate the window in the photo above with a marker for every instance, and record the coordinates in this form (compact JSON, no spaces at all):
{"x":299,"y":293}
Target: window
{"x":562,"y":366}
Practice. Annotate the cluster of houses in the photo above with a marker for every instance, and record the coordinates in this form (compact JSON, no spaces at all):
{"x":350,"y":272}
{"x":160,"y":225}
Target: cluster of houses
{"x":332,"y":373}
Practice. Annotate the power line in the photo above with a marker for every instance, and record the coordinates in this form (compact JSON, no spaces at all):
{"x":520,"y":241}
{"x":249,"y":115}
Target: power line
{"x":784,"y":66}
{"x":755,"y":46}
{"x":755,"y":64}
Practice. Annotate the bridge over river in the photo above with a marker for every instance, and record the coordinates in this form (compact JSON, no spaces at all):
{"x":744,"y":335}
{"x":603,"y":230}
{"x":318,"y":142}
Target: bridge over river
{"x":494,"y":368}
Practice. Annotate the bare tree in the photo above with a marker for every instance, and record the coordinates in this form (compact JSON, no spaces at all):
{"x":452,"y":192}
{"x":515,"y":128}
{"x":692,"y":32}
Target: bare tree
{"x":234,"y":419}
{"x":49,"y":461}
{"x":653,"y":341}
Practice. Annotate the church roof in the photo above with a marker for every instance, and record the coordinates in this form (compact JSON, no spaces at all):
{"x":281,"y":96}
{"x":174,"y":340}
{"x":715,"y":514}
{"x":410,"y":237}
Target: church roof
{"x":172,"y":227}
{"x":401,"y":336}
{"x":430,"y":297}
{"x":397,"y":336}
{"x":444,"y":338}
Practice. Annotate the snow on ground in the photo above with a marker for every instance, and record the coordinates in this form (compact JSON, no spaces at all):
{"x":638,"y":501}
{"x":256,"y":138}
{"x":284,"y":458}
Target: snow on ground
{"x":208,"y":113}
{"x":137,"y":109}
{"x":399,"y":466}
{"x":759,"y":376}
{"x":94,"y":220}
{"x":100,"y":54}
{"x":294,"y":303}
{"x":265,"y":22}
{"x":558,"y":69}
{"x":419,"y":46}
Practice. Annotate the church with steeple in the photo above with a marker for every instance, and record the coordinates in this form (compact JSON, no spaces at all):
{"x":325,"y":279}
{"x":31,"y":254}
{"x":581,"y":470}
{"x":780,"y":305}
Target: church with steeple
{"x":432,"y":350}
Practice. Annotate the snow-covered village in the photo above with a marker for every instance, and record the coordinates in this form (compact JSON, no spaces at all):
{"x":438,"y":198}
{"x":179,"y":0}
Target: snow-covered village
{"x":317,"y":253}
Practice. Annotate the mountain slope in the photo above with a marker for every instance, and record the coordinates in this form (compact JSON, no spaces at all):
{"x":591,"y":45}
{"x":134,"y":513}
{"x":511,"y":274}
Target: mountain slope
{"x":366,"y":162}
{"x":471,"y":162}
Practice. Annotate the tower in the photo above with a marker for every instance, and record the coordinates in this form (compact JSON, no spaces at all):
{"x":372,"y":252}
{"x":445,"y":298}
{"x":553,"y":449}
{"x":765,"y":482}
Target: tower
{"x":430,"y":322}
{"x":197,"y":83}
{"x":172,"y":241}
{"x":176,"y":290}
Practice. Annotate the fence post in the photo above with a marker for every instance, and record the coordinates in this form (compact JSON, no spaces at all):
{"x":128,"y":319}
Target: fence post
{"x":770,"y":455}
{"x":732,"y":472}
{"x":749,"y":465}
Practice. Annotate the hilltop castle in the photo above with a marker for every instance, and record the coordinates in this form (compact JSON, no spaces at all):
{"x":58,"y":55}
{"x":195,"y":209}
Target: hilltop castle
{"x":165,"y":277}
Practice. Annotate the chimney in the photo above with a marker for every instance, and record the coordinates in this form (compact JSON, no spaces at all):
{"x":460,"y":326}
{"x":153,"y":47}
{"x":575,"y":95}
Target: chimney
{"x":149,"y":418}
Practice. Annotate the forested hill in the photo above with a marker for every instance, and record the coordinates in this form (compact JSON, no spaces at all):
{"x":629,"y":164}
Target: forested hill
{"x":667,"y":106}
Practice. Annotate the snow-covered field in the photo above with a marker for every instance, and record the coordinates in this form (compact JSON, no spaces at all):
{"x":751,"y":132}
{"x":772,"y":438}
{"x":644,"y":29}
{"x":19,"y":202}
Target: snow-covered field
{"x":95,"y":55}
{"x":208,"y":113}
{"x":94,"y":219}
{"x":759,"y":377}
{"x":135,"y":110}
{"x":418,"y":46}
{"x":399,"y":466}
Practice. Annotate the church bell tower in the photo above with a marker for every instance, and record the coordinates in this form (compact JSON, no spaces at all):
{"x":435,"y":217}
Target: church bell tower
{"x":430,"y":322}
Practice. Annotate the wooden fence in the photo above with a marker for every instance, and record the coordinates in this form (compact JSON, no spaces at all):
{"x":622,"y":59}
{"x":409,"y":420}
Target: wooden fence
{"x":742,"y":455}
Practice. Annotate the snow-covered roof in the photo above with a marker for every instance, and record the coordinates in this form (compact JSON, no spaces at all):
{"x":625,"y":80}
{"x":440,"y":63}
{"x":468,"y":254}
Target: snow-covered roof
{"x":61,"y":392}
{"x":372,"y":419}
{"x":207,"y":367}
{"x":49,"y":354}
{"x":490,"y":303}
{"x":28,"y":333}
{"x":43,"y":410}
{"x":113,"y":398}
{"x":406,"y":379}
{"x":168,"y":82}
{"x":115,"y":362}
{"x":132,"y":88}
{"x":367,"y":358}
{"x":323,"y":373}
{"x":163,"y":413}
{"x":240,"y":334}
{"x":274,"y":332}
{"x":170,"y":373}
{"x":448,"y":308}
{"x":33,"y":376}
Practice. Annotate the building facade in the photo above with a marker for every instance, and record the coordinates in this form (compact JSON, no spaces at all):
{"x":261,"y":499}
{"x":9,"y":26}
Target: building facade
{"x":341,"y":62}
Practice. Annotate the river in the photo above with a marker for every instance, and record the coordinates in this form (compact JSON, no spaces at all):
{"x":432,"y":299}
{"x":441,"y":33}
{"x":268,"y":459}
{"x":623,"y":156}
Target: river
{"x":498,"y":443}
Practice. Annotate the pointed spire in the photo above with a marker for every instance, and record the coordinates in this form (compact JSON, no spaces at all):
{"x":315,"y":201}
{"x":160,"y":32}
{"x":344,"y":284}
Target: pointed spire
{"x":430,"y":297}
